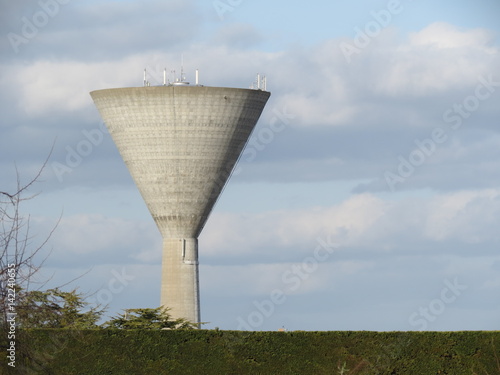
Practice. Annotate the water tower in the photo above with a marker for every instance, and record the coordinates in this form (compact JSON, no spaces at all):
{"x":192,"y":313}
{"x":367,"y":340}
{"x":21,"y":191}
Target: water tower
{"x":180,"y":143}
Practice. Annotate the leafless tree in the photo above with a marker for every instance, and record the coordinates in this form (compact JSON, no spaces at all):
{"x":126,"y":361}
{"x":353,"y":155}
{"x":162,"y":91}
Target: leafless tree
{"x":20,"y":256}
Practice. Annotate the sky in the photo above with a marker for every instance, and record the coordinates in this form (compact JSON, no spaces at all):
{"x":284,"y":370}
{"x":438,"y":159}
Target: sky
{"x":368,"y":197}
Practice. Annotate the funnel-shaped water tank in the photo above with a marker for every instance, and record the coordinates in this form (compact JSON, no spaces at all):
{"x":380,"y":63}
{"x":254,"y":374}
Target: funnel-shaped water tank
{"x":180,"y":144}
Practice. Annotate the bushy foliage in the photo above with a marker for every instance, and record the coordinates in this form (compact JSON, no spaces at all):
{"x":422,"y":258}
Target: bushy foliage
{"x":158,"y":318}
{"x":55,"y":308}
{"x":185,"y":352}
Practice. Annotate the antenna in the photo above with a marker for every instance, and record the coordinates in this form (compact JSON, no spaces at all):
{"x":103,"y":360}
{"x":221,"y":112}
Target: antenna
{"x":146,"y":82}
{"x":182,"y":67}
{"x":260,"y":84}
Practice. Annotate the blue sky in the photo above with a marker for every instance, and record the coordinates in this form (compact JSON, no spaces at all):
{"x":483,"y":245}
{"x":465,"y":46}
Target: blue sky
{"x":367,"y":199}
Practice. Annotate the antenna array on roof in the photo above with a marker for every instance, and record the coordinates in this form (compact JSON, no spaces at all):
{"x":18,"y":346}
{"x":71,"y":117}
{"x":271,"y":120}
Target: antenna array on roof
{"x":260,"y":83}
{"x":173,"y":80}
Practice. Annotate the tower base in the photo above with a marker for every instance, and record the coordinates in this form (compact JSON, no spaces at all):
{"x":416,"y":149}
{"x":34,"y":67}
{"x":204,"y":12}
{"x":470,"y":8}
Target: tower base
{"x":180,"y":283}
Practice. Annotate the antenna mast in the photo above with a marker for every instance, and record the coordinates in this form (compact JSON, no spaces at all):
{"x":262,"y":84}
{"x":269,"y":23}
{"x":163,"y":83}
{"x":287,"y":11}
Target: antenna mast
{"x":260,"y":84}
{"x":182,"y":68}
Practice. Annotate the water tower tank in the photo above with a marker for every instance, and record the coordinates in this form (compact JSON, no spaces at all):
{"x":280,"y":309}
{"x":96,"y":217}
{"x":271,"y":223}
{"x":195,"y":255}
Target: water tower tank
{"x":180,"y":144}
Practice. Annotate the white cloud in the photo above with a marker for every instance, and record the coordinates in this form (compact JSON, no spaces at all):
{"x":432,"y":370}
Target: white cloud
{"x":316,"y":84}
{"x":298,"y":278}
{"x":90,"y":238}
{"x":441,"y":35}
{"x":230,"y":234}
{"x":435,"y":60}
{"x":46,"y":87}
{"x":469,"y":216}
{"x":364,"y":220}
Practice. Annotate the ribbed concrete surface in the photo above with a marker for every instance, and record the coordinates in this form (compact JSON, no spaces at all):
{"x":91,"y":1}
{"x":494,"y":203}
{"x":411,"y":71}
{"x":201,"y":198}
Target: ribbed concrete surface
{"x":180,"y":144}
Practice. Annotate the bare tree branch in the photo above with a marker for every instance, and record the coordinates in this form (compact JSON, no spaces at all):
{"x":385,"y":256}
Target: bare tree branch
{"x":17,"y":250}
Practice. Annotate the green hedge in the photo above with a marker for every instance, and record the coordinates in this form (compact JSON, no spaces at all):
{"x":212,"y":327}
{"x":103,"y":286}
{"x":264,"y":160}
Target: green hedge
{"x":201,"y":352}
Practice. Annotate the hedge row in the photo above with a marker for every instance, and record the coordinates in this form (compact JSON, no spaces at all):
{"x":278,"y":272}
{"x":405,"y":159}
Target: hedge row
{"x":99,"y":352}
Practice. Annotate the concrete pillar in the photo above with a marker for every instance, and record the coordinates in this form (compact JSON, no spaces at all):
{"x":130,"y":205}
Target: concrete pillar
{"x":179,"y":284}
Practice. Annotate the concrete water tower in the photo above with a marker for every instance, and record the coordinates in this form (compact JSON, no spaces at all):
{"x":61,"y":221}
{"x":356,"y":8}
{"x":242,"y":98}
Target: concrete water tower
{"x":180,"y":143}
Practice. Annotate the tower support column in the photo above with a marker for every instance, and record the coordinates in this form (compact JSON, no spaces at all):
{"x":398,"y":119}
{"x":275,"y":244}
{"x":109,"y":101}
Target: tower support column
{"x":180,"y":289}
